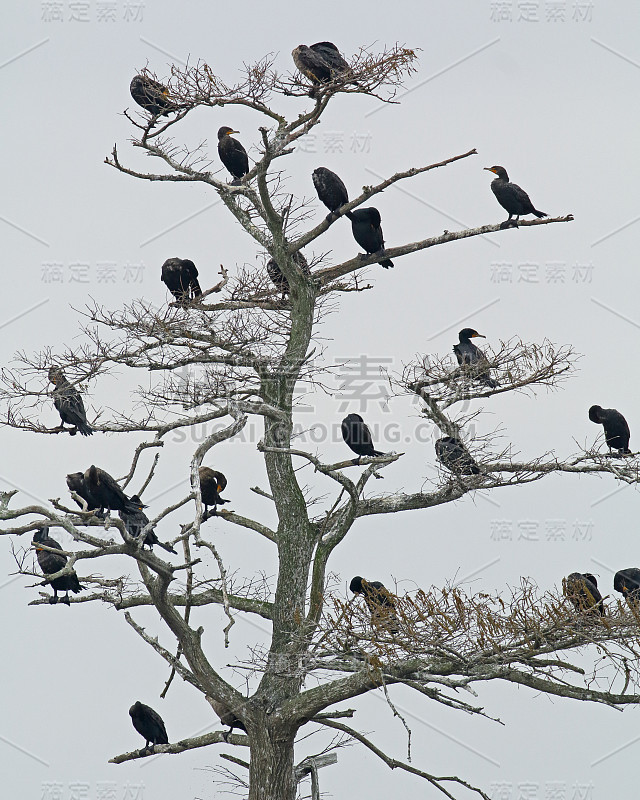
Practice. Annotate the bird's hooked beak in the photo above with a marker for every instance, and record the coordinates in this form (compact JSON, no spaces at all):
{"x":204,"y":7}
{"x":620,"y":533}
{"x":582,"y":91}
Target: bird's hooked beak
{"x":478,"y":336}
{"x":230,"y":132}
{"x":491,"y":169}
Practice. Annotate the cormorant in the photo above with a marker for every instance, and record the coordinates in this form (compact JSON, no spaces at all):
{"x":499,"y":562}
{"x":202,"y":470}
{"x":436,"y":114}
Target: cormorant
{"x":511,"y":197}
{"x":379,"y":600}
{"x":76,"y":483}
{"x":106,"y":492}
{"x":320,"y":63}
{"x":627,"y":581}
{"x":453,"y":455}
{"x":68,"y":403}
{"x":50,"y":563}
{"x":277,"y":277}
{"x":149,"y":725}
{"x":365,"y":224}
{"x":470,"y":355}
{"x":227,"y":717}
{"x":151,"y":95}
{"x":582,"y":590}
{"x":358,"y":436}
{"x":212,"y":483}
{"x":180,"y":276}
{"x":134,"y":523}
{"x":232,"y":154}
{"x":331,"y":190}
{"x":616,"y":429}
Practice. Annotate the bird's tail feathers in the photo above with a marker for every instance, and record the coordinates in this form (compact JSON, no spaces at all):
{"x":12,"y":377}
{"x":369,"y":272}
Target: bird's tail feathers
{"x":85,"y":429}
{"x":540,"y":213}
{"x":386,"y":263}
{"x":167,"y":547}
{"x":195,"y":286}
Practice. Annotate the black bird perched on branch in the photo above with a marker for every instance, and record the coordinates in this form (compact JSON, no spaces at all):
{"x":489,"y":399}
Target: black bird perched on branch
{"x":582,"y":590}
{"x":227,"y":717}
{"x":320,"y":63}
{"x":232,"y":154}
{"x":149,"y":725}
{"x":134,"y":523}
{"x":180,"y":276}
{"x":77,"y":483}
{"x":616,"y":429}
{"x":358,"y":436}
{"x":511,"y":197}
{"x":68,"y":403}
{"x":106,"y":492}
{"x":379,"y":600}
{"x":50,"y":563}
{"x":212,"y":483}
{"x":365,"y":225}
{"x":453,"y":455}
{"x":151,"y":95}
{"x":277,"y":277}
{"x":469,"y":355}
{"x":331,"y":190}
{"x":627,"y":582}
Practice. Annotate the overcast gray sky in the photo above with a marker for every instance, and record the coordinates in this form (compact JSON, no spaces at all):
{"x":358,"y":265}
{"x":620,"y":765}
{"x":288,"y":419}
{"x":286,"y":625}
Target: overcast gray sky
{"x":547,"y":89}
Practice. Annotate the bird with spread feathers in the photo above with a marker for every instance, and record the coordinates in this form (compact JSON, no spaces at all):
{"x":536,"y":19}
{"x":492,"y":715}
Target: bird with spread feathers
{"x":511,"y":197}
{"x":469,"y":355}
{"x":135,"y":524}
{"x":627,"y":582}
{"x":149,"y":725}
{"x":151,"y":95}
{"x":331,"y":191}
{"x":68,"y":403}
{"x":212,"y":483}
{"x":357,"y":436}
{"x":50,"y":563}
{"x":180,"y":276}
{"x":278,"y":278}
{"x":581,"y":588}
{"x":616,"y":428}
{"x":106,"y":493}
{"x":367,"y":231}
{"x":453,"y":455}
{"x":232,"y":154}
{"x":380,"y":602}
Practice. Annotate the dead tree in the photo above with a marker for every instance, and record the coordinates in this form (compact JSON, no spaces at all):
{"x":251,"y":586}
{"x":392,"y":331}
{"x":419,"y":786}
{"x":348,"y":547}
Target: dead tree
{"x":249,"y":352}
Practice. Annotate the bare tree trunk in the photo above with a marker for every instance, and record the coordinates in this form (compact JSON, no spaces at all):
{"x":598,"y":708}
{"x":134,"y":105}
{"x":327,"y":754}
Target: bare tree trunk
{"x":271,"y":774}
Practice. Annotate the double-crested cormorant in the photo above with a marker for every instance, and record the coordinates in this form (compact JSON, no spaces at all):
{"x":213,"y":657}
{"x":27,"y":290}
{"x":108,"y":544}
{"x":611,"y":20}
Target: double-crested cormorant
{"x":50,"y":563}
{"x":232,"y":154}
{"x":277,"y":277}
{"x":212,"y":483}
{"x":627,"y":581}
{"x":106,"y":492}
{"x":227,"y":717}
{"x":469,"y":355}
{"x":616,"y":429}
{"x":331,"y":190}
{"x":358,"y":436}
{"x":68,"y":403}
{"x":581,"y":588}
{"x":151,"y":95}
{"x":453,"y":455}
{"x":511,"y":197}
{"x":365,"y":224}
{"x":379,"y":600}
{"x":149,"y":725}
{"x":320,"y":63}
{"x":180,"y":276}
{"x":134,"y":523}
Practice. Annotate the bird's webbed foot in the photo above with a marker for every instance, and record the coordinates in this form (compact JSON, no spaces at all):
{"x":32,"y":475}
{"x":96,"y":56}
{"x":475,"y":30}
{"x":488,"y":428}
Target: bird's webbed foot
{"x":508,"y":223}
{"x":356,"y":461}
{"x":66,"y":600}
{"x":53,"y":600}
